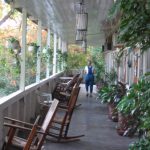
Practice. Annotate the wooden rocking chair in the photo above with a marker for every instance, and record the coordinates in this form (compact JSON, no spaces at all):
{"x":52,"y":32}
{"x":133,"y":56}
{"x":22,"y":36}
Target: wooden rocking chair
{"x":69,"y":94}
{"x":36,"y":137}
{"x":61,"y":122}
{"x":60,"y":88}
{"x":11,"y":139}
{"x":64,"y":87}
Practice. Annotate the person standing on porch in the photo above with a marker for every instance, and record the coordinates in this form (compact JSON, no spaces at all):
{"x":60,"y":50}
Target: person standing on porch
{"x":89,"y":78}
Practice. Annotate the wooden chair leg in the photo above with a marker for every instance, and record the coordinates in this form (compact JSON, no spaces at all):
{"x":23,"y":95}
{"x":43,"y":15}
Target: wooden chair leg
{"x":10,"y":136}
{"x":4,"y":146}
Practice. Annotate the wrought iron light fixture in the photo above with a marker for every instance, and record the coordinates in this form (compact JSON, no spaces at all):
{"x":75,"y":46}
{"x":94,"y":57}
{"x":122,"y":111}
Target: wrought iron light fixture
{"x":82,"y":21}
{"x":84,"y":45}
{"x":80,"y":35}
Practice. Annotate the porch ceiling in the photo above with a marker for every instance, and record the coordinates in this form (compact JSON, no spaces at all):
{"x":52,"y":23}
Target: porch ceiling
{"x":59,"y":15}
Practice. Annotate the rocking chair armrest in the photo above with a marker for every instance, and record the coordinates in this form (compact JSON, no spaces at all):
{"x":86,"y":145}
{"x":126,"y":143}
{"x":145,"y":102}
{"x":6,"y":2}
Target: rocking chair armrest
{"x":18,"y":121}
{"x":16,"y":126}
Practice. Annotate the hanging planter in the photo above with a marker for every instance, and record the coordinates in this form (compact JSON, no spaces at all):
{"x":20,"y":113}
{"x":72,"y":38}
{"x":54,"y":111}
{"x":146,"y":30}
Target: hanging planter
{"x":12,"y":43}
{"x":44,"y":51}
{"x":33,"y":47}
{"x":30,"y":48}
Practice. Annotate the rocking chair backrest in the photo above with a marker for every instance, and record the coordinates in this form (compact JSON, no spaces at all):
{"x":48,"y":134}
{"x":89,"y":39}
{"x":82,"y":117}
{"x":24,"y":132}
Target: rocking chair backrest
{"x":72,"y":82}
{"x":74,"y":94}
{"x":32,"y":134}
{"x":73,"y":99}
{"x":47,"y":123}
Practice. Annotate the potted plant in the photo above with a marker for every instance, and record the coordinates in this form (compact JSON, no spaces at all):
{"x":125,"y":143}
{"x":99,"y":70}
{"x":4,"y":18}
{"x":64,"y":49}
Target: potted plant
{"x":111,"y":94}
{"x":107,"y":94}
{"x":141,"y":144}
{"x":134,"y":108}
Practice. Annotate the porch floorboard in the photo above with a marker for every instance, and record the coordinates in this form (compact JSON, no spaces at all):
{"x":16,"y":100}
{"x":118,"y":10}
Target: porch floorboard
{"x":91,"y":119}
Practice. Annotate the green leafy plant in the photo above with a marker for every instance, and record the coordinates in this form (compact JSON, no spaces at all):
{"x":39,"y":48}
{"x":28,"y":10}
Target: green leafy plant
{"x":13,"y":45}
{"x":33,"y":44}
{"x":112,"y":93}
{"x":98,"y":61}
{"x":111,"y":77}
{"x":107,"y":93}
{"x":134,"y":23}
{"x":136,"y":104}
{"x":141,"y":144}
{"x":75,"y":61}
{"x":12,"y":39}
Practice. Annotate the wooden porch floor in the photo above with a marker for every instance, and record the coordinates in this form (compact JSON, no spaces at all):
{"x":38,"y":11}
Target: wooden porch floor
{"x":91,"y":119}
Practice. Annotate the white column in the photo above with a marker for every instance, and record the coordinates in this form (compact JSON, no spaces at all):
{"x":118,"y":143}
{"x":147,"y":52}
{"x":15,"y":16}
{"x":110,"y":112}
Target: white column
{"x":39,"y":42}
{"x":24,"y":32}
{"x":64,"y":46}
{"x":48,"y":58}
{"x":59,"y":43}
{"x":54,"y":54}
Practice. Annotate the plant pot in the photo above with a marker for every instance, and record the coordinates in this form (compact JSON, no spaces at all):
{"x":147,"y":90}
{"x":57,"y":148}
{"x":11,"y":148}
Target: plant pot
{"x":112,"y":112}
{"x":123,"y":123}
{"x":98,"y":87}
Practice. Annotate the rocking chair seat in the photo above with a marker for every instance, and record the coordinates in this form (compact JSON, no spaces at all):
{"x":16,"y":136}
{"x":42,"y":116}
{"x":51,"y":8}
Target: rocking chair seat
{"x":59,"y":120}
{"x":17,"y":141}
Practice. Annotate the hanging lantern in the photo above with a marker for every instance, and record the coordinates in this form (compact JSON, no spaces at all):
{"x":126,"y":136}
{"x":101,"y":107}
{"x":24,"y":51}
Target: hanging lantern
{"x":80,"y":35}
{"x":81,"y":21}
